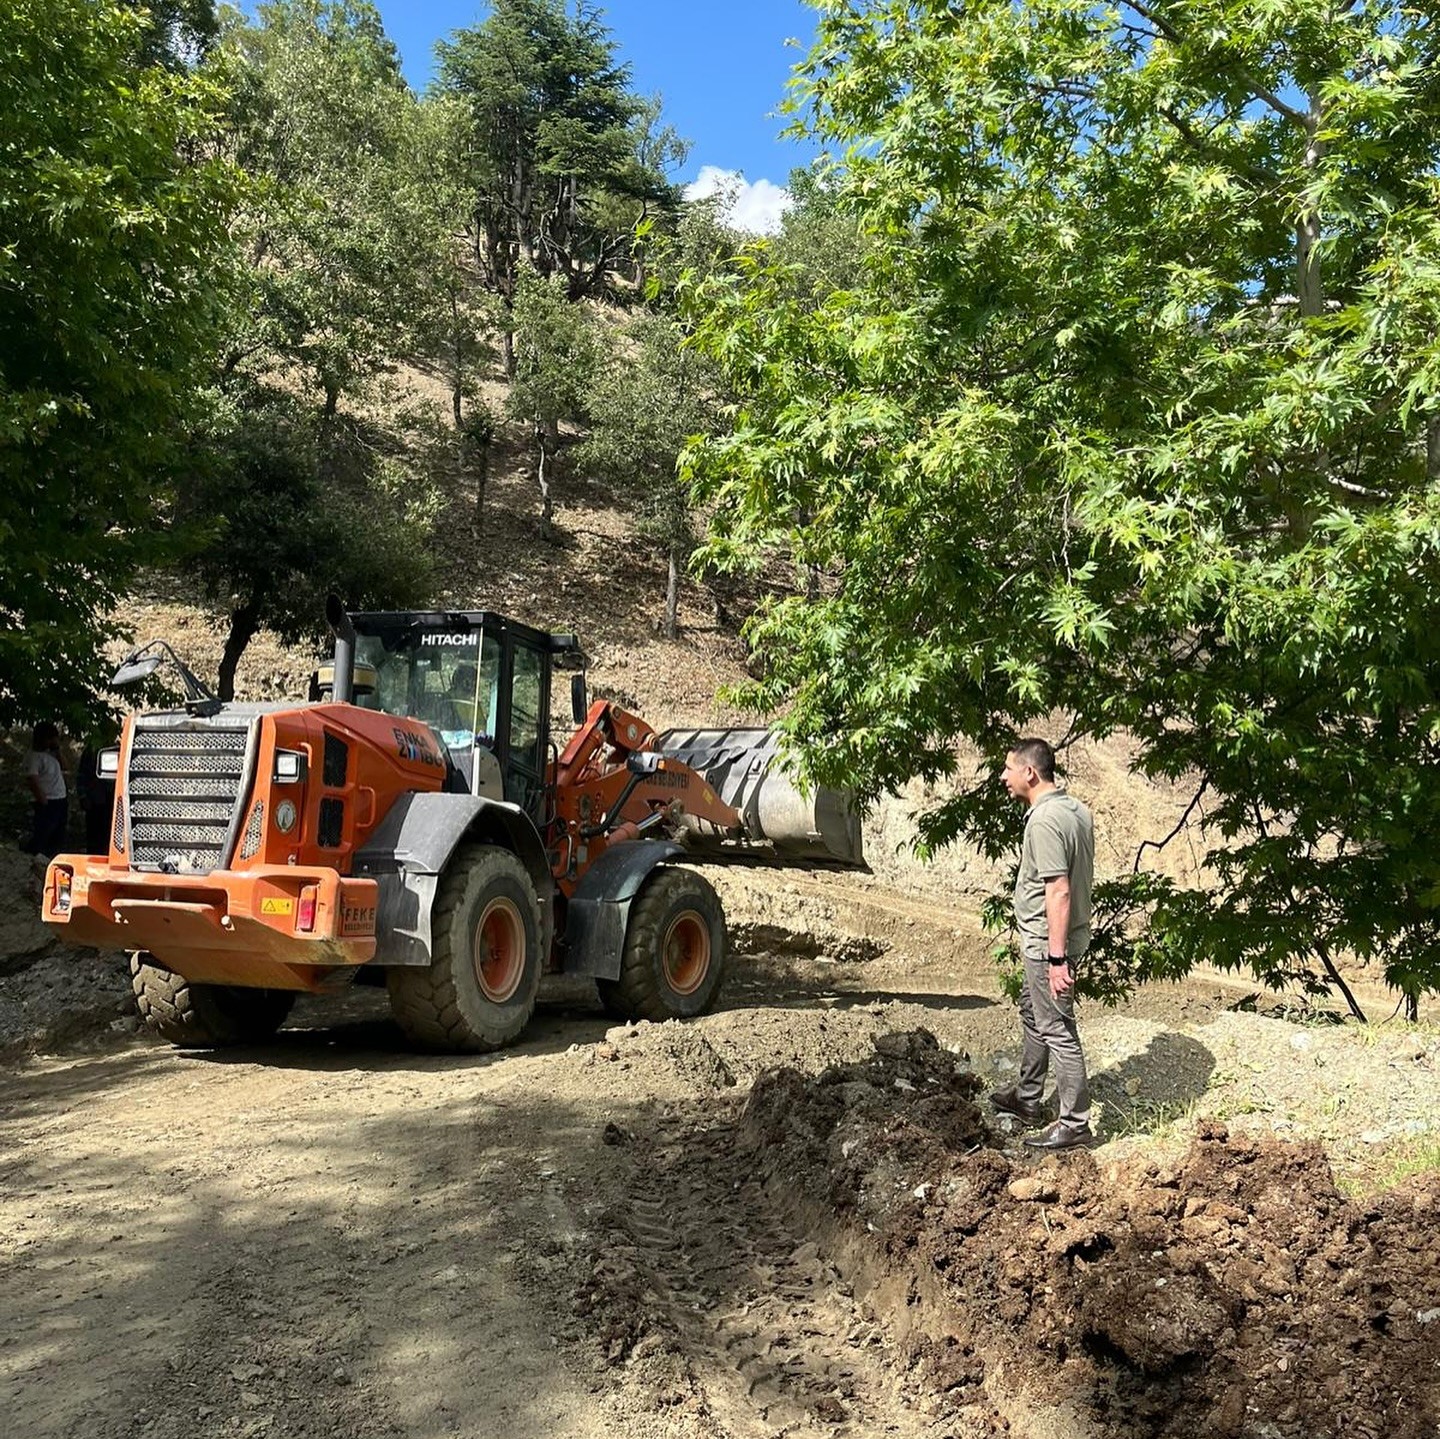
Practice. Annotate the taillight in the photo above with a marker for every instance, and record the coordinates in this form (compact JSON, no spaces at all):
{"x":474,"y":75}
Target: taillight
{"x":305,"y":918}
{"x":60,"y":902}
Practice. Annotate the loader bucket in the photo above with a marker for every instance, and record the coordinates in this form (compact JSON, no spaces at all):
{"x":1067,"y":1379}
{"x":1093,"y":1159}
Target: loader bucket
{"x":741,"y":766}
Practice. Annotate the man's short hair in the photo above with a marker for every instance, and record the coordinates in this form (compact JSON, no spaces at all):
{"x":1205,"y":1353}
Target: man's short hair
{"x":1039,"y":754}
{"x":47,"y":732}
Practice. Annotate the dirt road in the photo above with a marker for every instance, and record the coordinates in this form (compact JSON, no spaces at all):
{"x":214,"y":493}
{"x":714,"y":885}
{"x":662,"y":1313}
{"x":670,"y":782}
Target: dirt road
{"x":581,"y":1236}
{"x":331,"y":1236}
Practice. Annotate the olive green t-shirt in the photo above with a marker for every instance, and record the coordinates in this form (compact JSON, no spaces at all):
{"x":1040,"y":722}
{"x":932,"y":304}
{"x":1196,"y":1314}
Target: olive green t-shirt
{"x":1059,"y":839}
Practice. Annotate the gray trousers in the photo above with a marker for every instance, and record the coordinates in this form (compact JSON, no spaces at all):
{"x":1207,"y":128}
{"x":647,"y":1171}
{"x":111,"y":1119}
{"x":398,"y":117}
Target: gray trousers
{"x":1049,"y":1027}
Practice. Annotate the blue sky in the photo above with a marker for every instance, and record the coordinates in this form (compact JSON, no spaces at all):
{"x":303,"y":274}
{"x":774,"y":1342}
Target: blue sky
{"x":721,"y":66}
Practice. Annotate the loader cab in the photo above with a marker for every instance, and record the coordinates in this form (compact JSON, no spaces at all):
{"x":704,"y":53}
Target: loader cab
{"x":480,"y":681}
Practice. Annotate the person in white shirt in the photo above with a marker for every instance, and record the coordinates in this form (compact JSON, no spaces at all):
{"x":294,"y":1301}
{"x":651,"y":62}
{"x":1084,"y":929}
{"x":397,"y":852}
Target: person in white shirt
{"x":46,"y":779}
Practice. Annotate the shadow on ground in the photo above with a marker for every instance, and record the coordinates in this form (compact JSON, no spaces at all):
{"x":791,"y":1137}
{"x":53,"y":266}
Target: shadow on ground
{"x":1149,"y":1090}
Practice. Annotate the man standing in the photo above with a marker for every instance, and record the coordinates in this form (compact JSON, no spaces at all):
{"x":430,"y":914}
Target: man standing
{"x":46,"y":781}
{"x":1052,"y":913}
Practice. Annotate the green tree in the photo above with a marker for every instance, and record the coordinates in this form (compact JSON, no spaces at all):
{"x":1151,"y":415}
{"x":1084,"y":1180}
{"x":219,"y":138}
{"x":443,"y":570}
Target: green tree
{"x":111,"y":225}
{"x":342,"y":248}
{"x":820,"y":237}
{"x":566,"y":159}
{"x":1131,"y":416}
{"x":179,"y":32}
{"x":457,"y":316}
{"x":558,"y":351}
{"x":646,"y":403}
{"x":298,"y":506}
{"x":345,"y":264}
{"x":698,"y":243}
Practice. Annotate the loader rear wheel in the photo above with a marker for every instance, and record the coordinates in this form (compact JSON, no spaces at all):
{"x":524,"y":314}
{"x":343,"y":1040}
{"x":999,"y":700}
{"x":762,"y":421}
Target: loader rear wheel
{"x":478,"y":992}
{"x":675,"y":953}
{"x":204,"y":1016}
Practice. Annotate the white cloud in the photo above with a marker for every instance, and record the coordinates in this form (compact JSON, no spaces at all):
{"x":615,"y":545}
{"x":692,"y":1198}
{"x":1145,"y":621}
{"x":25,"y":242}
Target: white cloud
{"x":755,"y":207}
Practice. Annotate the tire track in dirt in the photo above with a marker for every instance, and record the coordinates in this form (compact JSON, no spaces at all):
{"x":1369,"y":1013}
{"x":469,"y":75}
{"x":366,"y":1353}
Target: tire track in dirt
{"x":700,"y":1270}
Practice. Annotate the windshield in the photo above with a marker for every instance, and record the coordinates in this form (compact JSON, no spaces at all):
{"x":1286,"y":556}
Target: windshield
{"x":453,"y":686}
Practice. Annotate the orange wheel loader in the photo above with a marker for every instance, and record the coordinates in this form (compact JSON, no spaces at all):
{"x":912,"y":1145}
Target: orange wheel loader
{"x":414,"y":825}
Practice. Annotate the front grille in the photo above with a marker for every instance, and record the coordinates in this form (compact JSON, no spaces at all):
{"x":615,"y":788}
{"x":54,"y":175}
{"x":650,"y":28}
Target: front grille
{"x":254,"y":831}
{"x":184,"y":786}
{"x":118,"y":833}
{"x":169,"y":786}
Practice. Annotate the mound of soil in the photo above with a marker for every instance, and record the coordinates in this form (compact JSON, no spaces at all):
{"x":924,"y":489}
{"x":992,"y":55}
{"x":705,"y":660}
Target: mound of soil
{"x":65,"y":999}
{"x":827,"y":943}
{"x":1235,"y":1293}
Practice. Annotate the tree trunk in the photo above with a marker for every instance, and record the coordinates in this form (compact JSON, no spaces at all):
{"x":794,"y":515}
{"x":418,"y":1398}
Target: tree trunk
{"x":1309,"y":297}
{"x":543,"y":461}
{"x":1323,"y":951}
{"x":1412,"y":1006}
{"x":710,"y":578}
{"x":507,"y":349}
{"x":672,"y":595}
{"x":1309,"y":288}
{"x":332,"y":399}
{"x":244,"y":622}
{"x":480,"y":459}
{"x":457,"y":373}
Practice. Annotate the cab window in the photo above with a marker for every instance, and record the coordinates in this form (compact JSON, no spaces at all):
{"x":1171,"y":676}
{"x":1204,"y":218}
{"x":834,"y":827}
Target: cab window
{"x":525,"y":701}
{"x":454,"y":688}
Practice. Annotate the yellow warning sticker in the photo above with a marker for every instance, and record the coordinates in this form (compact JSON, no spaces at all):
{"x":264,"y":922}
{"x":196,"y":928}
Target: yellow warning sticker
{"x":277,"y":906}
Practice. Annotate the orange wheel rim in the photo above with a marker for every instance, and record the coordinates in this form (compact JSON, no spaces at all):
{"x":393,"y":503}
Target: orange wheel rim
{"x":499,"y":953}
{"x":686,"y":953}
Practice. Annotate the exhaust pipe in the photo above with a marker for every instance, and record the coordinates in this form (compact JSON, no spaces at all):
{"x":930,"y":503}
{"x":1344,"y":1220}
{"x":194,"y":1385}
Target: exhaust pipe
{"x":343,"y":689}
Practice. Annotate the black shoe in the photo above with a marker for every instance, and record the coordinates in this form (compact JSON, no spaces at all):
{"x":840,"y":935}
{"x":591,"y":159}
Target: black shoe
{"x":1062,"y":1136}
{"x":1006,"y":1101}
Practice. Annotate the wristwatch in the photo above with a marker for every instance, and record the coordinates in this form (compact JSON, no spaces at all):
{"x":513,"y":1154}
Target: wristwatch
{"x":1058,"y":958}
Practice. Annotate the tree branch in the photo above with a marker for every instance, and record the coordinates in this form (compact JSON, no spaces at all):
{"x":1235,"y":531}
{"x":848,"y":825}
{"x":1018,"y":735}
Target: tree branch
{"x":1261,"y":177}
{"x":1159,"y":844}
{"x":1261,"y":92}
{"x":1363,"y":491}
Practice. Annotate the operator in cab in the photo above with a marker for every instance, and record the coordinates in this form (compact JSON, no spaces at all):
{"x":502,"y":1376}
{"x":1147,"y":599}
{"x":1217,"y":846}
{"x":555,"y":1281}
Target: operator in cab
{"x":465,"y":729}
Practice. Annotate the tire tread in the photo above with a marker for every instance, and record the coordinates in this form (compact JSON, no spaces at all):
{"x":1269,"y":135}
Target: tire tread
{"x":426,"y":1002}
{"x":637,"y":992}
{"x":204,"y":1016}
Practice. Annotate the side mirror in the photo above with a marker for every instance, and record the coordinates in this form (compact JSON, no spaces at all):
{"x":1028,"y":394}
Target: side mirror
{"x":136,"y":669}
{"x":579,"y":700}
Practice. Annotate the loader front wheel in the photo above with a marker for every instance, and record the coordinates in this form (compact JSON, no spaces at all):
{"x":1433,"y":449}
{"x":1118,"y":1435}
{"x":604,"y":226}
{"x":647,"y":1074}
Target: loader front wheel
{"x":478,"y":992}
{"x":676,"y":950}
{"x":204,"y":1016}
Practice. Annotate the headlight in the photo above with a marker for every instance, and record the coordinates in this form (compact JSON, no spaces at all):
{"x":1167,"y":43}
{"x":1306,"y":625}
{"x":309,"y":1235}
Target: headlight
{"x":63,"y":879}
{"x":289,"y":766}
{"x":107,"y":762}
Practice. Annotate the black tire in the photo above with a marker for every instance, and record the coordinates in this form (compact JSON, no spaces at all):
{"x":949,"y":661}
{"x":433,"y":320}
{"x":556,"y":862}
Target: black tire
{"x":204,"y":1016}
{"x":676,"y":950}
{"x":474,"y":995}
